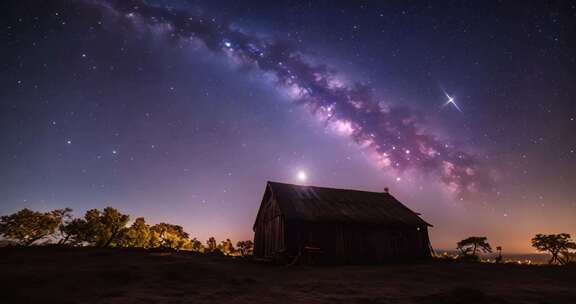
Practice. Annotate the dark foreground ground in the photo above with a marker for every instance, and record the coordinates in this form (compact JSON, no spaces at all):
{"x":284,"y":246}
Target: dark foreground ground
{"x":85,"y":275}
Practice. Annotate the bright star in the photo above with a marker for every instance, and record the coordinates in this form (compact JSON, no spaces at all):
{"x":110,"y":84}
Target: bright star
{"x":302,"y":176}
{"x":451,"y":101}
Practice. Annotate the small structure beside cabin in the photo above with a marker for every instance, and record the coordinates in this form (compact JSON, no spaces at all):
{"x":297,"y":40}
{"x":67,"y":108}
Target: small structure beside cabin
{"x":337,"y":225}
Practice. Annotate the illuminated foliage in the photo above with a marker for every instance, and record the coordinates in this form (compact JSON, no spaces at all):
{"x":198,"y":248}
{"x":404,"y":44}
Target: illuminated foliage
{"x":245,"y":248}
{"x":27,"y":226}
{"x":107,"y":228}
{"x":98,"y":228}
{"x":211,"y":244}
{"x":195,"y":245}
{"x":226,"y":247}
{"x":169,"y":236}
{"x":137,"y":236}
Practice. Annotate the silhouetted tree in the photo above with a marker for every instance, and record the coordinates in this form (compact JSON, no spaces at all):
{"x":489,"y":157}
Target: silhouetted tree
{"x":211,"y":244}
{"x":169,"y":236}
{"x":98,"y":228}
{"x":471,"y":245}
{"x":74,"y":232}
{"x":246,"y":248}
{"x":499,"y":257}
{"x":27,"y":226}
{"x":558,"y":245}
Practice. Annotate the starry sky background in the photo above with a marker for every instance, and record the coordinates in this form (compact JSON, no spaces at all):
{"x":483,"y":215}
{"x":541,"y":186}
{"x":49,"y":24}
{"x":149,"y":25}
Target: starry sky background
{"x":113,"y":103}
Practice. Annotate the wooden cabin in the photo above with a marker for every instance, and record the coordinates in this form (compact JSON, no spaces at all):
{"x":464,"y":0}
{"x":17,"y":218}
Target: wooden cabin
{"x":337,"y":225}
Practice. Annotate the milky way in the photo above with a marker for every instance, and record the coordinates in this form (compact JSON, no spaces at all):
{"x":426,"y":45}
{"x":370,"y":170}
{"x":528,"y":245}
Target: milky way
{"x":398,"y":137}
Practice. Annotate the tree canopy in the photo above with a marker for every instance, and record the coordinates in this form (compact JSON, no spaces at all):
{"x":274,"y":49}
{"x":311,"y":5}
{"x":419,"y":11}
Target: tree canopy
{"x":227,"y":248}
{"x":100,"y":228}
{"x":106,"y":228}
{"x":138,"y":235}
{"x":471,"y":245}
{"x":169,"y":236}
{"x":245,"y":248}
{"x":195,"y":245}
{"x":211,"y":244}
{"x":558,"y":245}
{"x":26,"y":226}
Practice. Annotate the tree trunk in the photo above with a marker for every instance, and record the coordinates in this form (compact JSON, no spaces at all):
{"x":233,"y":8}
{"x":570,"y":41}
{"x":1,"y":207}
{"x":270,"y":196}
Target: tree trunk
{"x":64,"y":240}
{"x":112,"y":237}
{"x":554,"y":257}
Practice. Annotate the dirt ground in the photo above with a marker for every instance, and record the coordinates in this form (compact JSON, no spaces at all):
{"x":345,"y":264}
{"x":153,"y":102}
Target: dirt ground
{"x":87,"y":275}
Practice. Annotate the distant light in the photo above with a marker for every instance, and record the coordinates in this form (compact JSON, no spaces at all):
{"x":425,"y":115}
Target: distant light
{"x":302,"y":176}
{"x":228,"y":44}
{"x":69,"y":142}
{"x":398,"y":179}
{"x":114,"y":152}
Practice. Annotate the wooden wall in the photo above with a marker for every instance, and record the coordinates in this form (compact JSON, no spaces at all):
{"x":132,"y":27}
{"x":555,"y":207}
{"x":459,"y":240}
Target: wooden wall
{"x":359,"y":243}
{"x":269,"y":232}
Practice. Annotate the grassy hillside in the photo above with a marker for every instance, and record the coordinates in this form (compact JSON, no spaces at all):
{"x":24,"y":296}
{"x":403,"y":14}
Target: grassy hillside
{"x":87,"y":275}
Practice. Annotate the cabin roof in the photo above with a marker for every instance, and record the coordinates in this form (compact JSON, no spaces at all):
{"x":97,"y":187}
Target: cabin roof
{"x":320,"y":204}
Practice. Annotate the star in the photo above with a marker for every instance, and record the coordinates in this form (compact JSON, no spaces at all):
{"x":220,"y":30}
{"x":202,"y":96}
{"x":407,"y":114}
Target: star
{"x":451,"y":101}
{"x":302,"y":176}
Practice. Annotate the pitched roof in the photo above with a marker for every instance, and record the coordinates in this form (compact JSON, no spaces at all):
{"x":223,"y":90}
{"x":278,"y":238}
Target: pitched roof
{"x":319,"y":204}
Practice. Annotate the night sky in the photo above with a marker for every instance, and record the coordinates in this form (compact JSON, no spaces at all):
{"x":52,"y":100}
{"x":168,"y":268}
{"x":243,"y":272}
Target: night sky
{"x":180,"y":111}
